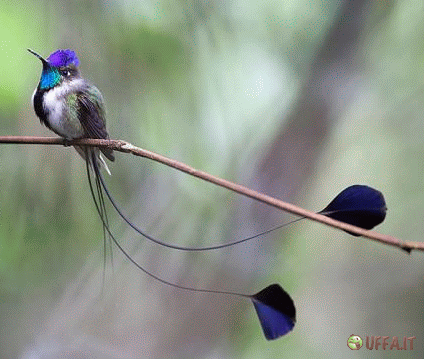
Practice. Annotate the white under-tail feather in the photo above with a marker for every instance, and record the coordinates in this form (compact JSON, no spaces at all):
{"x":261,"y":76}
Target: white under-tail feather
{"x":85,"y":152}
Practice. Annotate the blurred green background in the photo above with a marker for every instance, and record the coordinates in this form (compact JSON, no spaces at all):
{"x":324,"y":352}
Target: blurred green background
{"x":296,"y":99}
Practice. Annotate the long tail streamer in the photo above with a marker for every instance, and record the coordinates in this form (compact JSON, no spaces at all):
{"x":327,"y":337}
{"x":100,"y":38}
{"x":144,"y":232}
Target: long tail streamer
{"x":359,"y":205}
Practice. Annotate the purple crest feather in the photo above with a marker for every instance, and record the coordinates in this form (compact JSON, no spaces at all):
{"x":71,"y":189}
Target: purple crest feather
{"x":63,"y":58}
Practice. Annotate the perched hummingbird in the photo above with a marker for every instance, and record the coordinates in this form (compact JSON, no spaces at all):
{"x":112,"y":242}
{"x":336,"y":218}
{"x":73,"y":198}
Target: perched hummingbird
{"x":69,"y":105}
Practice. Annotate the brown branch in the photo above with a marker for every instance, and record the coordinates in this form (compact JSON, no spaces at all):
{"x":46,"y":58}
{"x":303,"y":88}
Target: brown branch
{"x":123,"y":146}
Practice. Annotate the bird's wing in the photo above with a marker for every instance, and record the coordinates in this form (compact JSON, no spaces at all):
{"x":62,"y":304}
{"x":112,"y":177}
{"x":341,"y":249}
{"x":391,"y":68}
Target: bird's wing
{"x":92,"y":116}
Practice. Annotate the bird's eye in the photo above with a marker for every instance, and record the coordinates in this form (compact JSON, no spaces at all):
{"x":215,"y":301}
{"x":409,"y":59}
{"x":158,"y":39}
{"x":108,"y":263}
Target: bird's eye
{"x":65,"y":73}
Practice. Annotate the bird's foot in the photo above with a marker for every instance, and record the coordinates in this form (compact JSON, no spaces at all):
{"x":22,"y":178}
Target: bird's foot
{"x":67,"y":142}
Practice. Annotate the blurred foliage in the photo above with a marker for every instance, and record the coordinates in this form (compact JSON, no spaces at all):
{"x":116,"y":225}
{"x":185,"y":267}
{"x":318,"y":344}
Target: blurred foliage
{"x":208,"y":83}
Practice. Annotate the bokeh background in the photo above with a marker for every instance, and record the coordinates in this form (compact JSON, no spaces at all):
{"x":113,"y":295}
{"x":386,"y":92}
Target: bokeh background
{"x":297,"y":99}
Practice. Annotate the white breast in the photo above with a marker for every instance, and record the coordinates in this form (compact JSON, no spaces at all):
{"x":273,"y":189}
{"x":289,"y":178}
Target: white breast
{"x":55,"y":103}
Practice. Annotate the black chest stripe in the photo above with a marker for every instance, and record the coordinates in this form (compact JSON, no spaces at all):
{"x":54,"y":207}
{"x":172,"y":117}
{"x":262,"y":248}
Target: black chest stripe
{"x":40,"y":111}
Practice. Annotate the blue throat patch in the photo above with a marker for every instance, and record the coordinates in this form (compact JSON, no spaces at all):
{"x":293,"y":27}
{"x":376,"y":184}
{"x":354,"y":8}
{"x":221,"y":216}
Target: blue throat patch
{"x":50,"y":77}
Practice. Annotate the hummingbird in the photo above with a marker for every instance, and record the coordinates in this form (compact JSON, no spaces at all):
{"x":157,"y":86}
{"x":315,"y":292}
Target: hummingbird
{"x":69,"y":105}
{"x":73,"y":108}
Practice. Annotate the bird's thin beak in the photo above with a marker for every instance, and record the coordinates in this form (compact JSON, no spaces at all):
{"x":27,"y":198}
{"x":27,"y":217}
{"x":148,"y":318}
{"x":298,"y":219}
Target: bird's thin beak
{"x":40,"y":57}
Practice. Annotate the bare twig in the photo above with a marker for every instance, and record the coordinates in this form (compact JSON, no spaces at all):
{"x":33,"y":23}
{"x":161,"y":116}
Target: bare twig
{"x":127,"y":147}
